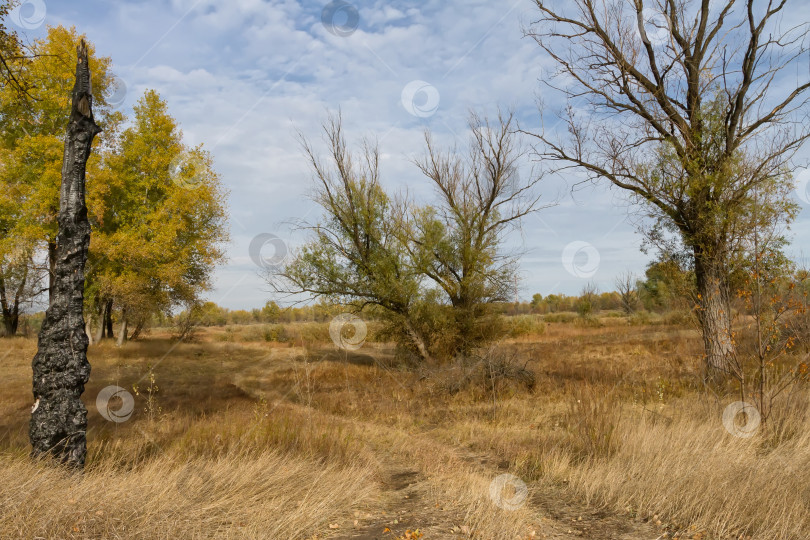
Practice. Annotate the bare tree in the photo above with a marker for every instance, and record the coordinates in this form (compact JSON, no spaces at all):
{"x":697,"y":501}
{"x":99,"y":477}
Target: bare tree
{"x":692,"y":108}
{"x":588,"y":299}
{"x":628,"y":291}
{"x":59,"y":419}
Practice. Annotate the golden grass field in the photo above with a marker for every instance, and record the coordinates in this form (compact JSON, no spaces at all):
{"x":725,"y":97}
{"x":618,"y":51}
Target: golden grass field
{"x":617,"y":439}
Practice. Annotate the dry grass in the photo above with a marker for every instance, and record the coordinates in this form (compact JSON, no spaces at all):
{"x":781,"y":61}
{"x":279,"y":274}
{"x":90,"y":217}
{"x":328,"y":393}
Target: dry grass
{"x":257,"y":439}
{"x":233,"y":496}
{"x":700,"y":477}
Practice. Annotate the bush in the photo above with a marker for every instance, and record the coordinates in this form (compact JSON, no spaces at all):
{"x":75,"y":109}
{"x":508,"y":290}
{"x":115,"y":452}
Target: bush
{"x":591,"y":420}
{"x":490,"y":370}
{"x":588,"y":321}
{"x":679,"y":318}
{"x":525,"y":325}
{"x":643,"y":318}
{"x":565,"y":317}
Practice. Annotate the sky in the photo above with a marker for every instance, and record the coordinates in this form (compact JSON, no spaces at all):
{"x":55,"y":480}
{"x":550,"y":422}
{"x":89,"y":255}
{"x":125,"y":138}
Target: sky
{"x":243,"y":76}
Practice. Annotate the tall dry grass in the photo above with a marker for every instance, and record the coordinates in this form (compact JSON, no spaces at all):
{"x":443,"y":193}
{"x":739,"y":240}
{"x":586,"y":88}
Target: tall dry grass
{"x":285,"y":441}
{"x":684,"y":466}
{"x":233,"y":496}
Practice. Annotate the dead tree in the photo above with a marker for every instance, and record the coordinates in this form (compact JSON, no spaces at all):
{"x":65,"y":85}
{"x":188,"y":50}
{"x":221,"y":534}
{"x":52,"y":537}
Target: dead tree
{"x":60,"y":367}
{"x":628,"y":291}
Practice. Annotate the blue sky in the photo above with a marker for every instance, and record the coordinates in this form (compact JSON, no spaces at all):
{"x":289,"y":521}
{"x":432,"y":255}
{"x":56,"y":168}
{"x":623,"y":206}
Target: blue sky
{"x":241,"y":76}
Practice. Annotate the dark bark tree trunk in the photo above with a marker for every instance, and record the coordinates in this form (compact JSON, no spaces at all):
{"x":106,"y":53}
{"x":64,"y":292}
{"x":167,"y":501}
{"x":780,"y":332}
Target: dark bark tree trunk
{"x":60,"y":368}
{"x":714,"y":316}
{"x":138,"y":329}
{"x":108,"y":326}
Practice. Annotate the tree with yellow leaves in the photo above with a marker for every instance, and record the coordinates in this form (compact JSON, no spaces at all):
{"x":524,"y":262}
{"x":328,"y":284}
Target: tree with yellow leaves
{"x":159,"y":219}
{"x":156,"y":207}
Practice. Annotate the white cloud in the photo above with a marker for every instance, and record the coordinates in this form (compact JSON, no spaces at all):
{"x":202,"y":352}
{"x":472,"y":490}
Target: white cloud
{"x":241,"y":76}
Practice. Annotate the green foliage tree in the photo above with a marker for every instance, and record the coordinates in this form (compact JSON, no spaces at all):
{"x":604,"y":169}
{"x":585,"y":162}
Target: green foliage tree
{"x":669,"y":284}
{"x":431,"y":270}
{"x":357,"y":255}
{"x":458,"y":242}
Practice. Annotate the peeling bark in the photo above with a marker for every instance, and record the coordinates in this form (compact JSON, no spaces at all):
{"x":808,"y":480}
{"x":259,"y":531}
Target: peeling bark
{"x":60,"y":368}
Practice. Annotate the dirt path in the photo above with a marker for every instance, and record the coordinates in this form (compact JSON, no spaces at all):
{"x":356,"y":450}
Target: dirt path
{"x":409,"y":502}
{"x":408,"y":505}
{"x":407,"y":508}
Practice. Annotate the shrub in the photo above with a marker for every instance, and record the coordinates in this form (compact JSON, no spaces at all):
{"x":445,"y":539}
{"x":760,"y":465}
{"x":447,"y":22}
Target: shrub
{"x":679,"y":317}
{"x":565,"y":317}
{"x":525,"y":325}
{"x":492,"y":370}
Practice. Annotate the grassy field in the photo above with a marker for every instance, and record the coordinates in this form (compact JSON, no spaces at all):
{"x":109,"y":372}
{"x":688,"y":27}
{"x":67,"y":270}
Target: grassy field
{"x":614,"y":437}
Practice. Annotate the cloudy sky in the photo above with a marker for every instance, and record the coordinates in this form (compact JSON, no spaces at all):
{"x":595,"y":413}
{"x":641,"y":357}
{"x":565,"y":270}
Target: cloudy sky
{"x":241,"y":76}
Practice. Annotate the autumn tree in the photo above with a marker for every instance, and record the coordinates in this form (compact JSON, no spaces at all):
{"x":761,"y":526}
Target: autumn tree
{"x":159,"y":219}
{"x":31,"y":141}
{"x":356,"y":255}
{"x":157,"y":205}
{"x":13,"y":56}
{"x":627,"y":287}
{"x":692,"y":109}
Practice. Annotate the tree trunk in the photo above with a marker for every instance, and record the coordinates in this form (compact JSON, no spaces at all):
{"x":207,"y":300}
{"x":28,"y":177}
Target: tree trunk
{"x":60,"y":368}
{"x":11,"y":310}
{"x":51,"y":269}
{"x":138,"y":328}
{"x":88,"y":329}
{"x":108,"y":327}
{"x":122,"y":334}
{"x":101,"y":320}
{"x":417,"y":340}
{"x":8,"y":321}
{"x":714,"y":315}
